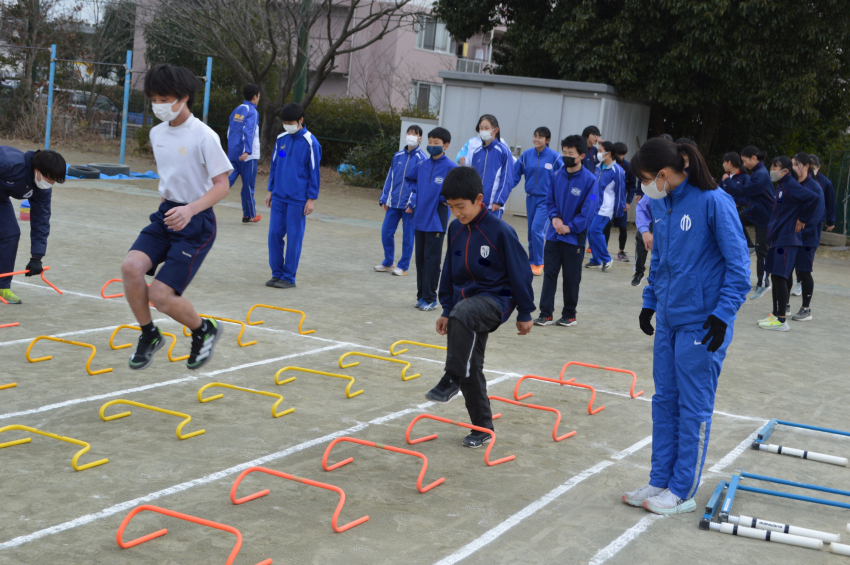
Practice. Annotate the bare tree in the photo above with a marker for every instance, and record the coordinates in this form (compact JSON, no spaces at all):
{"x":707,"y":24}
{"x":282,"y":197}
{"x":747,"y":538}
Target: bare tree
{"x":258,"y":39}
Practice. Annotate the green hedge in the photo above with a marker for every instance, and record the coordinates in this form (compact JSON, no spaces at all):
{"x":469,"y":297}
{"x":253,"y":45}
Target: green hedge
{"x":371,"y":162}
{"x":341,"y":124}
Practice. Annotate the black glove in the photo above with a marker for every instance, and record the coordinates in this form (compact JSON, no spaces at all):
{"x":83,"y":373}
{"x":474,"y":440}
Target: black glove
{"x":645,"y":318}
{"x":34,"y":267}
{"x":716,"y":334}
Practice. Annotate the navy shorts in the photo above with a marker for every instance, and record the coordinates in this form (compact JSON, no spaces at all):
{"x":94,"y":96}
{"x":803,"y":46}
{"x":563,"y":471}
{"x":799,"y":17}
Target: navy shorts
{"x":181,"y":252}
{"x":780,"y":261}
{"x":805,"y":259}
{"x":621,"y":222}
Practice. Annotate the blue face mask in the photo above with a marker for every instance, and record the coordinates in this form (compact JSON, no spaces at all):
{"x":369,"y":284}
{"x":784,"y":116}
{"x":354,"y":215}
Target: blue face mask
{"x":434,"y":150}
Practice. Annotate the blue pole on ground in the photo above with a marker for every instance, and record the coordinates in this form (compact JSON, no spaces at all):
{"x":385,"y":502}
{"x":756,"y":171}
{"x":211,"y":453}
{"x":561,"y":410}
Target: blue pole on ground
{"x":127,"y":79}
{"x":208,"y":81}
{"x":50,"y":96}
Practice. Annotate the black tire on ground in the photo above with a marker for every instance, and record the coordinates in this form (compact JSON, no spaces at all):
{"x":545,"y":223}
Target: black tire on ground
{"x":111,"y":169}
{"x":83,"y":171}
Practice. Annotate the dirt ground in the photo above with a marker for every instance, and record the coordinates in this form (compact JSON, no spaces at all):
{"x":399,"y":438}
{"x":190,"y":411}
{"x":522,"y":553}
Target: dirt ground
{"x":557,"y":502}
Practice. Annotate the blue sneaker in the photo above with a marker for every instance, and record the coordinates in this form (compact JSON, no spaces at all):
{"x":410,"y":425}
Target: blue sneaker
{"x":428,"y":307}
{"x":419,"y":304}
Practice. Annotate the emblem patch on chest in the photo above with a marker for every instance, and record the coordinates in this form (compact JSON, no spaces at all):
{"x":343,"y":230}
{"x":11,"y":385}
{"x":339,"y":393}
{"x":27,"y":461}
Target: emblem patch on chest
{"x":485,"y":251}
{"x":685,"y":224}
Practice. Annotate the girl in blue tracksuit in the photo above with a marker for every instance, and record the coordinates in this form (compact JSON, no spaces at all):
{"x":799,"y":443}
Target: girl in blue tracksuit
{"x":538,"y":164}
{"x":612,"y":187}
{"x":700,"y":276}
{"x":810,"y":236}
{"x":394,"y":199}
{"x":494,"y":164}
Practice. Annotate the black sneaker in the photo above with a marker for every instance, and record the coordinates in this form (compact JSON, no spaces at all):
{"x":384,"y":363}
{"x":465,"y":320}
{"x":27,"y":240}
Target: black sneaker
{"x":544,"y":321}
{"x":476,"y":439}
{"x":272,"y":281}
{"x":567,"y":322}
{"x":445,"y":390}
{"x":280,"y":283}
{"x":203,"y":343}
{"x":148,"y":345}
{"x":621,"y":256}
{"x":636,"y":279}
{"x":592,"y":265}
{"x":246,"y":219}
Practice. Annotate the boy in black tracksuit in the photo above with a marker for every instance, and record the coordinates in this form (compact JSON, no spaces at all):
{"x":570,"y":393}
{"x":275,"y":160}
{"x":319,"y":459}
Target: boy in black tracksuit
{"x":485,"y":276}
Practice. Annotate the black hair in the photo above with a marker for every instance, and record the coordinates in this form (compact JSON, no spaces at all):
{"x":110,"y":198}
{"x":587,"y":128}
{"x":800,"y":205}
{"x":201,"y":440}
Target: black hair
{"x":784,"y":162}
{"x":804,"y":160}
{"x":170,"y":80}
{"x":621,"y":148}
{"x":590,"y":130}
{"x":415,"y":129}
{"x":815,"y":160}
{"x":753,"y":151}
{"x":291,"y":112}
{"x":493,"y":122}
{"x":686,"y":140}
{"x":50,"y":164}
{"x":733,"y":159}
{"x":440,"y":133}
{"x":250,"y":91}
{"x":543,"y":131}
{"x":609,"y":147}
{"x":666,"y":136}
{"x":577,"y":142}
{"x":462,"y":183}
{"x":658,"y":153}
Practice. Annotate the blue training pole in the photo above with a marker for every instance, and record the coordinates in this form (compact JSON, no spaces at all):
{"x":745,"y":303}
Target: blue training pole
{"x":208,"y":82}
{"x":50,"y":96}
{"x":127,"y":76}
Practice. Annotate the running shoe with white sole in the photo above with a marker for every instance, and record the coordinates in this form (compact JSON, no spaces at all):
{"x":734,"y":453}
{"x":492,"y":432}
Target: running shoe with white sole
{"x":797,"y":290}
{"x":419,"y":303}
{"x":148,"y":345}
{"x":383,"y":269}
{"x":775,"y":325}
{"x":758,"y":292}
{"x":398,"y":272}
{"x":623,"y":257}
{"x":667,"y":503}
{"x":639,"y":496}
{"x":544,"y":321}
{"x":769,"y":318}
{"x":9,"y":296}
{"x":203,"y":343}
{"x":428,"y":307}
{"x":804,"y":315}
{"x":607,"y":265}
{"x":566,"y":322}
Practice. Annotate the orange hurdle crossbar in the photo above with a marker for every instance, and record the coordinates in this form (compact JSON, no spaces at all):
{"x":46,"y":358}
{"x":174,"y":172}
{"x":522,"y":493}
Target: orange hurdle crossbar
{"x":463,"y":425}
{"x":9,"y":325}
{"x":571,"y":382}
{"x":340,"y":504}
{"x":557,"y":413}
{"x":180,"y":516}
{"x":419,"y":486}
{"x":632,"y":392}
{"x":4,"y":275}
{"x":108,"y":296}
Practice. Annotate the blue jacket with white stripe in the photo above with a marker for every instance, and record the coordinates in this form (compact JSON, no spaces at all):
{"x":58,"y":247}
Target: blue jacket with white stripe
{"x":294,"y":174}
{"x":494,"y":164}
{"x":243,"y":133}
{"x":538,"y":168}
{"x":614,"y":179}
{"x":396,"y":191}
{"x":430,"y":213}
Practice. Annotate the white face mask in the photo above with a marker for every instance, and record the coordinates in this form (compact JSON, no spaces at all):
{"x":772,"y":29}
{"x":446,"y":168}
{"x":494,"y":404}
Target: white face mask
{"x":411,"y":140}
{"x":42,"y":184}
{"x":652,"y":191}
{"x":290,"y":129}
{"x":601,"y":157}
{"x":485,"y":135}
{"x":164,"y":111}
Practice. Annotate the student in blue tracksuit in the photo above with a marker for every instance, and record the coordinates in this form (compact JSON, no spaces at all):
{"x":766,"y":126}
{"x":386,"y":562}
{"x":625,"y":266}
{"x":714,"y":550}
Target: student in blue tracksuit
{"x":758,"y":189}
{"x":828,"y":193}
{"x":538,"y":164}
{"x":810,"y":236}
{"x":571,"y":204}
{"x":612,"y":187}
{"x":430,"y":215}
{"x":23,"y":176}
{"x":494,"y":164}
{"x":394,"y":199}
{"x":700,"y":277}
{"x":243,"y":149}
{"x":485,"y":277}
{"x":795,"y":207}
{"x":592,"y":137}
{"x":622,"y":223}
{"x":732,"y":174}
{"x":294,"y":181}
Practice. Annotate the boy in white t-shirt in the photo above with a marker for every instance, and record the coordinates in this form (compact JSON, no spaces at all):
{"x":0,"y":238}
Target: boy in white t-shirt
{"x":193,"y":170}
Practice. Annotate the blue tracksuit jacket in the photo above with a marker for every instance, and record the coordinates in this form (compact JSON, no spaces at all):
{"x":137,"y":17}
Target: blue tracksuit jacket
{"x":494,"y":164}
{"x":737,"y":181}
{"x":631,"y":182}
{"x":700,"y":263}
{"x":811,"y":233}
{"x":426,"y":185}
{"x":829,"y":199}
{"x":17,"y":180}
{"x":758,"y":188}
{"x":486,"y":257}
{"x":243,"y":134}
{"x":294,"y":175}
{"x":396,"y":191}
{"x":793,"y":202}
{"x":538,"y":168}
{"x":615,"y":177}
{"x":575,"y":199}
{"x":589,"y":160}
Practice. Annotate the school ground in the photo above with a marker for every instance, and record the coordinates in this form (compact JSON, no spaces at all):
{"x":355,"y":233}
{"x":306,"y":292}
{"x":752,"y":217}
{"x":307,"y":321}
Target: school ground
{"x":556,"y":502}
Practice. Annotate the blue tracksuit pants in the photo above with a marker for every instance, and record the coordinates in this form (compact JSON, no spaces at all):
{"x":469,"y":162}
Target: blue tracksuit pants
{"x":10,"y":234}
{"x":286,"y":234}
{"x":248,"y":171}
{"x":685,"y":375}
{"x":596,"y":240}
{"x":538,"y":219}
{"x":391,"y":220}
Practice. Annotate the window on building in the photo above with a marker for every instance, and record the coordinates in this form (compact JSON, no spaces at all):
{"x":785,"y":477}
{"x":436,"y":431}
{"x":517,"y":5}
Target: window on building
{"x":425,"y":96}
{"x":432,"y":35}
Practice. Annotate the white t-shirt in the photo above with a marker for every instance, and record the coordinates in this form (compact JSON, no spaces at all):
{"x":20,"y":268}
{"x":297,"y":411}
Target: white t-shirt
{"x":187,"y":158}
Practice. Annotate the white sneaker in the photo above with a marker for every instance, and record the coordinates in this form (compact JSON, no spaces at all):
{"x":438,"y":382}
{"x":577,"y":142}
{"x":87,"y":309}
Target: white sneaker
{"x":637,"y":497}
{"x":769,"y":318}
{"x":398,"y":272}
{"x":797,"y":290}
{"x":382,"y":269}
{"x":775,"y":325}
{"x":668,"y":503}
{"x":607,"y":265}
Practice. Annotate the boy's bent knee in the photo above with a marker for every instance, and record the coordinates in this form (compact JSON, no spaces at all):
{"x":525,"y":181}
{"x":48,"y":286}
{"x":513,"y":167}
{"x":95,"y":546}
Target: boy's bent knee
{"x":161,"y":295}
{"x":135,"y":266}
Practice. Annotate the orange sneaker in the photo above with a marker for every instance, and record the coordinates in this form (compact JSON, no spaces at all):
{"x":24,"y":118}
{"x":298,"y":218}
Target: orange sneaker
{"x":537,"y":270}
{"x":249,"y":220}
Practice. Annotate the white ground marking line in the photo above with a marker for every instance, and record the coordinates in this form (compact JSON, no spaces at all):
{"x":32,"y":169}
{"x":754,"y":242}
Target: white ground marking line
{"x":629,"y":535}
{"x":629,"y":450}
{"x":102,"y":299}
{"x":80,"y":332}
{"x":732,"y":455}
{"x":71,"y":402}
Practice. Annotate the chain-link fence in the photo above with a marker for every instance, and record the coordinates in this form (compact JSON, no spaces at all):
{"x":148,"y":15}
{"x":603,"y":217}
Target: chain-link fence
{"x":838,"y":171}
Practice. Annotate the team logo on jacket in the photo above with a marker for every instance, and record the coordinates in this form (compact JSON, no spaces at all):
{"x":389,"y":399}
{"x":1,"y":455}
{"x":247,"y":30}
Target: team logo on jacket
{"x":576,"y":191}
{"x":28,"y":194}
{"x":685,"y":224}
{"x":485,"y":251}
{"x":438,"y":180}
{"x":548,"y":166}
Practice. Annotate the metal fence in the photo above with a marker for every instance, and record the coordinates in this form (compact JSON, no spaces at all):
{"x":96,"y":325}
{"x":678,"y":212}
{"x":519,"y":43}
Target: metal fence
{"x":838,"y":171}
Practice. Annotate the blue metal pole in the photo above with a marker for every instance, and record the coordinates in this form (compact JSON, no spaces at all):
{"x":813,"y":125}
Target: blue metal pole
{"x":793,"y":496}
{"x":793,"y":484}
{"x":128,"y":73}
{"x":50,"y":97}
{"x":207,"y":89}
{"x":766,"y":431}
{"x":730,"y":497}
{"x":815,"y":428}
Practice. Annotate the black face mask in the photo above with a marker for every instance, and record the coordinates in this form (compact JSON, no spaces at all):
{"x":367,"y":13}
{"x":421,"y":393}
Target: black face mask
{"x":569,"y":162}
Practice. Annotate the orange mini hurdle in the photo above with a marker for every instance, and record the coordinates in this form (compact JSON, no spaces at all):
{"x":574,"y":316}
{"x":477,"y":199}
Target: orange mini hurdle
{"x":50,"y":284}
{"x":463,"y":425}
{"x":590,"y":409}
{"x":557,"y":413}
{"x":632,"y":392}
